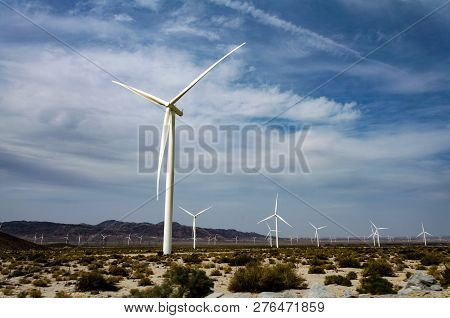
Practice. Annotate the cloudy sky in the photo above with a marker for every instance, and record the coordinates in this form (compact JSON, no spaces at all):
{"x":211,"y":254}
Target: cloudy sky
{"x":378,"y":147}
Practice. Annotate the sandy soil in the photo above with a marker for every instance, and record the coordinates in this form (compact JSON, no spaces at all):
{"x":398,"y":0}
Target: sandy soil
{"x":220,"y":282}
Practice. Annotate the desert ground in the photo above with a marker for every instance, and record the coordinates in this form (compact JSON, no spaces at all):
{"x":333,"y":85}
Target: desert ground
{"x":226,"y":271}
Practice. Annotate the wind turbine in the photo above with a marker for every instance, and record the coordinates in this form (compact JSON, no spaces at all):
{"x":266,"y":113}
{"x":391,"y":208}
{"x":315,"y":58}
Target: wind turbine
{"x":424,"y":235}
{"x":42,"y":237}
{"x":236,"y":240}
{"x":66,"y":238}
{"x":316,"y":233}
{"x":194,"y":218}
{"x":215,"y":239}
{"x":276,"y":216}
{"x":140,"y":238}
{"x":128,"y":239}
{"x":79,"y":239}
{"x":269,"y":234}
{"x":168,"y":132}
{"x":254,"y":240}
{"x":104,"y":238}
{"x":35,"y":238}
{"x":376,"y":233}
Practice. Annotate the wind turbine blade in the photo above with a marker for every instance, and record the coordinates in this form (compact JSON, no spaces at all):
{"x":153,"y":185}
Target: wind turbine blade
{"x":162,"y":146}
{"x":184,"y":91}
{"x":312,"y":225}
{"x":283,"y":220}
{"x":419,"y":234}
{"x":267,"y":218}
{"x":372,"y":224}
{"x":203,"y":211}
{"x":322,"y":227}
{"x":428,"y":234}
{"x":148,"y":96}
{"x":186,"y":211}
{"x":276,"y":204}
{"x":382,"y":228}
{"x":268,"y":226}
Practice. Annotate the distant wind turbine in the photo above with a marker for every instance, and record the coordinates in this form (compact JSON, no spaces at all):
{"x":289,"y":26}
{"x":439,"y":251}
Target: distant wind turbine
{"x":79,"y":239}
{"x":140,"y":239}
{"x":194,"y":218}
{"x":424,"y":234}
{"x":104,"y":238}
{"x":316,"y":233}
{"x":276,"y":216}
{"x":42,"y":238}
{"x":376,"y":233}
{"x":269,"y":234}
{"x":128,"y":239}
{"x":66,"y":238}
{"x":168,"y":133}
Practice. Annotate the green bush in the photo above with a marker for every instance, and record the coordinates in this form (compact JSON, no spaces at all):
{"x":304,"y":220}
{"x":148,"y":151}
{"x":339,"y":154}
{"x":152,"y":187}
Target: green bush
{"x":376,"y":285}
{"x":22,"y":294}
{"x":348,"y":262}
{"x":378,"y":267}
{"x":40,"y":283}
{"x":145,"y":281}
{"x":337,"y":280}
{"x":34,"y":293}
{"x":118,"y":271}
{"x":62,"y":294}
{"x":445,"y":276}
{"x":241,"y":260}
{"x":192,"y":259}
{"x":215,"y":272}
{"x":315,"y":269}
{"x":351,"y":275}
{"x":189,"y":282}
{"x":179,"y":281}
{"x":255,"y":278}
{"x":431,"y":259}
{"x":94,"y":281}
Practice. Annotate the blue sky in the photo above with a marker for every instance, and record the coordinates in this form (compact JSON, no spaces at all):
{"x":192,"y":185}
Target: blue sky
{"x":379,"y":146}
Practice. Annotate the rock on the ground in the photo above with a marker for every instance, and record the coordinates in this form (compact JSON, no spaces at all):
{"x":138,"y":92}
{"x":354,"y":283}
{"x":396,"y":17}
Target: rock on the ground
{"x":284,"y":294}
{"x":420,"y":281}
{"x":319,"y":290}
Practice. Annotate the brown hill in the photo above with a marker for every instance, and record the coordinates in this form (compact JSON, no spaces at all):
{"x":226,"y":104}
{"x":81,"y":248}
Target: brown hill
{"x":9,"y":242}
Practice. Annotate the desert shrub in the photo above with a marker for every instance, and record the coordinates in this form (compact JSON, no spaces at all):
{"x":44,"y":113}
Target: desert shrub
{"x":408,"y":275}
{"x":241,"y":260}
{"x":337,"y":280}
{"x":94,"y":281}
{"x":40,"y":283}
{"x":145,"y":281}
{"x":378,"y":267}
{"x":118,"y":271}
{"x":376,"y":285}
{"x":411,"y":254}
{"x":164,"y":290}
{"x":431,"y":259}
{"x":189,"y":282}
{"x":62,"y":294}
{"x":315,"y":269}
{"x":22,"y":294}
{"x":351,"y":275}
{"x":34,"y":293}
{"x":315,"y":261}
{"x":445,"y":276}
{"x":348,"y":262}
{"x":227,"y":269}
{"x":8,"y":291}
{"x":192,"y":259}
{"x":255,"y":278}
{"x":24,"y":281}
{"x":215,"y":272}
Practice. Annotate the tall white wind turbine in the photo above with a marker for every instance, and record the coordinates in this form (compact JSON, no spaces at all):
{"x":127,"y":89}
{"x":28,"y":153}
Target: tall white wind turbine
{"x":376,"y":233}
{"x":128,"y":239}
{"x":168,"y":133}
{"x":269,"y":234}
{"x":424,"y":234}
{"x":66,"y":238}
{"x":316,"y":233}
{"x":79,"y":239}
{"x":194,"y":219}
{"x":276,"y":216}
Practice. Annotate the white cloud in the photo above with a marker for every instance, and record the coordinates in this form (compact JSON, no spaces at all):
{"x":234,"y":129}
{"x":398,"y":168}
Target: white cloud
{"x":123,"y":17}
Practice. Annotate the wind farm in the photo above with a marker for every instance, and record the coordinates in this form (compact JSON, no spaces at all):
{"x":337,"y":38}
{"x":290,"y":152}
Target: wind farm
{"x":300,"y":158}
